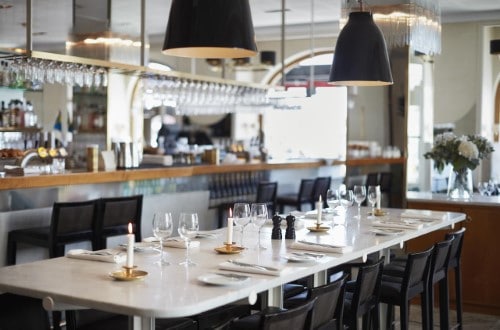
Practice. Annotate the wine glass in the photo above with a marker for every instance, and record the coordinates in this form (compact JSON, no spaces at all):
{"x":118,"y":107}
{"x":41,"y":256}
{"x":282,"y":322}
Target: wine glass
{"x":482,"y":188}
{"x":359,"y":196}
{"x":188,"y":229}
{"x":162,"y":228}
{"x":258,"y":215}
{"x":346,"y":199}
{"x":372,"y":198}
{"x":241,"y":216}
{"x":332,"y":198}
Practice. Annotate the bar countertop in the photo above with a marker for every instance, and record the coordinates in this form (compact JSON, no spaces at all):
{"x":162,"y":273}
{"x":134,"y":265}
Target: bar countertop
{"x":82,"y":177}
{"x":436,"y":198}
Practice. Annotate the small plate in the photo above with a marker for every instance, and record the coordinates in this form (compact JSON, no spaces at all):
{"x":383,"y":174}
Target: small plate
{"x":233,"y":250}
{"x":300,"y":258}
{"x":142,"y":246}
{"x":386,"y":231}
{"x":121,"y":275}
{"x":225,"y":280}
{"x":320,"y":229}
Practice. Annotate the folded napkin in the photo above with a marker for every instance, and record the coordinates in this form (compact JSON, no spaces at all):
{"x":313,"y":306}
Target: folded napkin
{"x":177,"y":242}
{"x":251,"y":268}
{"x":314,"y":215}
{"x":207,"y":234}
{"x":321,"y":247}
{"x":101,"y":255}
{"x":398,"y":224}
{"x":423,"y":215}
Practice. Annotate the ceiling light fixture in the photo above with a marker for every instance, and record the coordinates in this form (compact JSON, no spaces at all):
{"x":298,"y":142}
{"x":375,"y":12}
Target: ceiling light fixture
{"x":360,"y":57}
{"x":210,"y":29}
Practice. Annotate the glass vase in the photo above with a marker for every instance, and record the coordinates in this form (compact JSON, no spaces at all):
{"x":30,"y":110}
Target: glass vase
{"x":460,"y":184}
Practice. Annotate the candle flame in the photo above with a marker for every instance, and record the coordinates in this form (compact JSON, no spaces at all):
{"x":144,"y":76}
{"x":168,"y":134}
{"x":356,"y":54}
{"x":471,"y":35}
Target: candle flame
{"x":130,"y":227}
{"x":230,"y":213}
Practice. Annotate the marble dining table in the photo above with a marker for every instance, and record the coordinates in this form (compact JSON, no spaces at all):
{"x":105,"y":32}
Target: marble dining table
{"x":178,"y":291}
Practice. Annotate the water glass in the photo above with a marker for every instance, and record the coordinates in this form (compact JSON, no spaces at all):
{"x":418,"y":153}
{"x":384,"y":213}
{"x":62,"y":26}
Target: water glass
{"x":162,"y":229}
{"x":359,"y":196}
{"x":258,"y":215}
{"x":332,"y":198}
{"x":188,"y":229}
{"x":241,"y":217}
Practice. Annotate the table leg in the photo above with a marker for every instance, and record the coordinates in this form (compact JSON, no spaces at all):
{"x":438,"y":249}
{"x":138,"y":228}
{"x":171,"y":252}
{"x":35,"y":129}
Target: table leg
{"x":141,"y":323}
{"x":320,"y":278}
{"x":275,"y":297}
{"x":383,"y":307}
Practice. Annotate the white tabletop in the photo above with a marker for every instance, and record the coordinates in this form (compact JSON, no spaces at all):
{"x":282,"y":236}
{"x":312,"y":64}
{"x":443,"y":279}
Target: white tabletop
{"x":174,"y":291}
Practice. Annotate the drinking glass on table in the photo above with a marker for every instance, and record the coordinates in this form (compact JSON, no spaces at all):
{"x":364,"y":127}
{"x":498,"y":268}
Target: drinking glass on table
{"x":162,"y":229}
{"x":372,"y":198}
{"x":359,"y":197}
{"x":241,"y":216}
{"x":188,"y":228}
{"x":332,"y":198}
{"x":258,"y":215}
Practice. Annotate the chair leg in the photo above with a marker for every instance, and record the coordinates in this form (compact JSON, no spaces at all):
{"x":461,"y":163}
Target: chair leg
{"x":444,"y":306}
{"x":11,"y":251}
{"x":389,"y":317}
{"x":430,"y":306}
{"x":404,"y":313}
{"x":458,"y":295}
{"x":425,"y":310}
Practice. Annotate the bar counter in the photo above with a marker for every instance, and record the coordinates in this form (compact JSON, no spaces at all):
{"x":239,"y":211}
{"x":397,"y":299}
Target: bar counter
{"x":82,"y":177}
{"x":480,"y":266}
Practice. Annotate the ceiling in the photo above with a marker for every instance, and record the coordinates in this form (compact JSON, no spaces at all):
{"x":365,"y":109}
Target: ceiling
{"x":266,"y":16}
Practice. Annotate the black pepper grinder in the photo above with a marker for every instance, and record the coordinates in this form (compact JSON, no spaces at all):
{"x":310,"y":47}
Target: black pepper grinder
{"x":276,"y":233}
{"x":290,"y":227}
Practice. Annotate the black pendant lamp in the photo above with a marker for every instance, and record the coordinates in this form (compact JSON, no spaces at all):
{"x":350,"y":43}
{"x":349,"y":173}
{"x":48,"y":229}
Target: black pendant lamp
{"x":360,"y":57}
{"x":210,"y":29}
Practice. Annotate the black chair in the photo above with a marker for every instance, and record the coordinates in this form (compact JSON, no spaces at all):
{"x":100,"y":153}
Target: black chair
{"x":221,"y":317}
{"x":385,"y":182}
{"x":299,"y":317}
{"x":454,"y":263}
{"x":296,"y":200}
{"x":91,"y":319}
{"x":402,"y":280}
{"x":329,"y":305}
{"x":362,"y":296}
{"x":71,"y":222}
{"x":321,"y":186}
{"x":372,"y":179}
{"x":266,"y":193}
{"x":22,"y":313}
{"x":113,"y":217}
{"x":439,"y":274}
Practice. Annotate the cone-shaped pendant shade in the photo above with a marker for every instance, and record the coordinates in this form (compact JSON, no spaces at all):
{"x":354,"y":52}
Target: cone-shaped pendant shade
{"x":360,"y":57}
{"x":210,"y":29}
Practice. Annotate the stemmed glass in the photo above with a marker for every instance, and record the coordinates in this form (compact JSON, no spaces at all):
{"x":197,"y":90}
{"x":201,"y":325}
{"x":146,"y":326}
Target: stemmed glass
{"x":332,"y":198}
{"x":359,"y":196}
{"x":241,"y":216}
{"x":258,"y":214}
{"x":162,"y":228}
{"x":188,"y":229}
{"x":346,"y":199}
{"x":372,"y":198}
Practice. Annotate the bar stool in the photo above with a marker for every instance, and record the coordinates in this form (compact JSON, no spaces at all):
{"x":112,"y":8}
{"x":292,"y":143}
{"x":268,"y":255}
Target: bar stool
{"x":299,"y":317}
{"x":296,"y":200}
{"x":402,"y":281}
{"x":71,"y":222}
{"x":362,"y":296}
{"x":454,"y":263}
{"x":113,"y":217}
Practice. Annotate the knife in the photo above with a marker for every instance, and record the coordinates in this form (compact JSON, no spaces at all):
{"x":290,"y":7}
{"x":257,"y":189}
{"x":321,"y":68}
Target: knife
{"x":244,"y":264}
{"x":233,"y":276}
{"x":322,"y":244}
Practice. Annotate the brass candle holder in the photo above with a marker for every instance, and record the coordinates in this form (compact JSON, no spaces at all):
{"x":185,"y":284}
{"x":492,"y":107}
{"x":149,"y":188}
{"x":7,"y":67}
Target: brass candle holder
{"x":129,"y":270}
{"x":128,"y":273}
{"x":229,"y":248}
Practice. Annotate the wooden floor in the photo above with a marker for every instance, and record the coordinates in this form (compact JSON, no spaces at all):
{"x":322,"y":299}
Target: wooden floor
{"x":471,"y":321}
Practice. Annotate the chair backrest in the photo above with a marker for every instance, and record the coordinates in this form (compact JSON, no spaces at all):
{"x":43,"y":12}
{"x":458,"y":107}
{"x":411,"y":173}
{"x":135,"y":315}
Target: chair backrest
{"x":306,"y":190}
{"x":371,"y":179}
{"x":299,"y":317}
{"x":329,"y":304}
{"x":20,"y":312}
{"x":266,"y":193}
{"x":440,"y":258}
{"x":114,"y":215}
{"x":416,"y":271}
{"x":367,"y":291}
{"x":321,"y":186}
{"x":385,"y":181}
{"x":456,"y":247}
{"x":71,"y":222}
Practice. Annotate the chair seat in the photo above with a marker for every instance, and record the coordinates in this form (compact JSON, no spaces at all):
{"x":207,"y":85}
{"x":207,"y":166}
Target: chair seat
{"x":220,"y":317}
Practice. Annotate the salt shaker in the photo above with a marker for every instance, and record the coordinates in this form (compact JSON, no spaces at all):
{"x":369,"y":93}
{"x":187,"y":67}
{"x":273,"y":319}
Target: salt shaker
{"x":290,"y":227}
{"x":276,"y":233}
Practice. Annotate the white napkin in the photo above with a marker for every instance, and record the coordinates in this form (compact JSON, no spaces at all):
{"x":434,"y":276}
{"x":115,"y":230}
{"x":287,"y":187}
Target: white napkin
{"x":314,"y":215}
{"x":207,"y":234}
{"x":101,"y":255}
{"x":423,"y":215}
{"x":321,"y":247}
{"x":398,"y":224}
{"x":177,"y":242}
{"x":246,"y":269}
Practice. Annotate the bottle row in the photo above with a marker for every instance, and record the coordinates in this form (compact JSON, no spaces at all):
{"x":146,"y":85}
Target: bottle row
{"x":18,"y":114}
